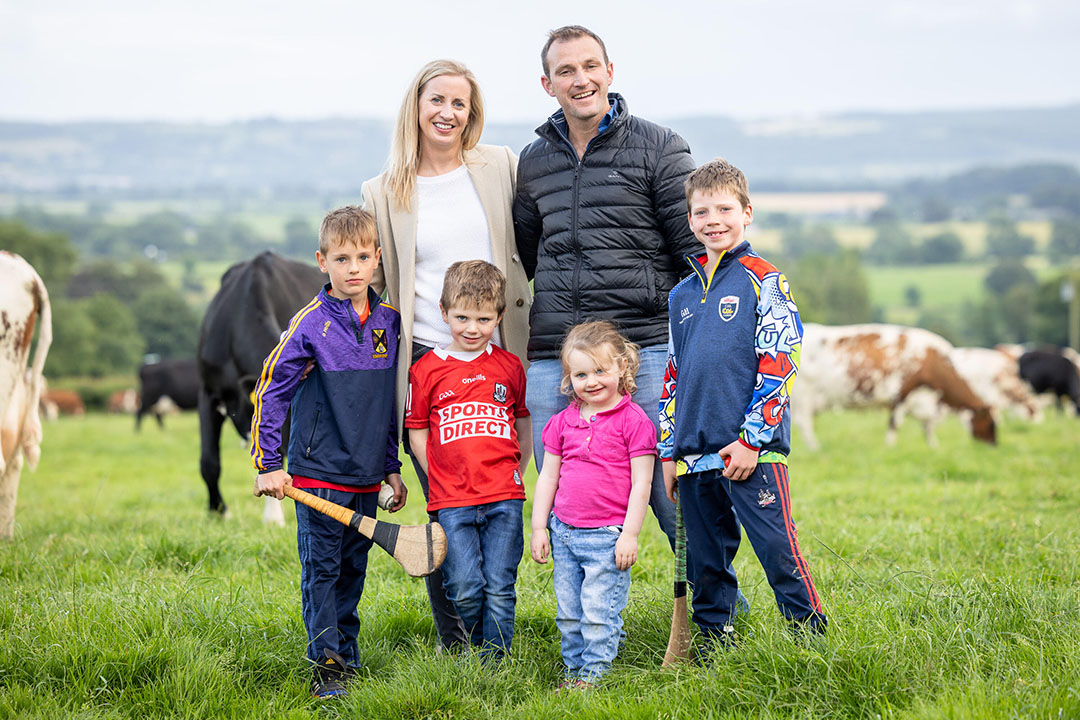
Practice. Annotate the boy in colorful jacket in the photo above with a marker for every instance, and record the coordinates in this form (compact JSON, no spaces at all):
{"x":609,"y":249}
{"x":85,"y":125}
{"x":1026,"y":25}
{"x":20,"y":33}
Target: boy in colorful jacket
{"x":725,"y":432}
{"x":342,"y":434}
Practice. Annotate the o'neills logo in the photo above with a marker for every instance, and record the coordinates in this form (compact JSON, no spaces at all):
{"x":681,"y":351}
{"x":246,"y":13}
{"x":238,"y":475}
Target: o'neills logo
{"x":474,"y":378}
{"x":473,"y":419}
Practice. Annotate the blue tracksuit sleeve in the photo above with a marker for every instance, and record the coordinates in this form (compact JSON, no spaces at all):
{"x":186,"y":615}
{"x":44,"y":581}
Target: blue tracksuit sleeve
{"x":666,"y":446}
{"x":273,"y":394}
{"x":777,"y":343}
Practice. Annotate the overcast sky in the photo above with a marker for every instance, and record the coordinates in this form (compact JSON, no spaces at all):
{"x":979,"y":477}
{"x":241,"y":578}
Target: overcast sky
{"x":220,"y":60}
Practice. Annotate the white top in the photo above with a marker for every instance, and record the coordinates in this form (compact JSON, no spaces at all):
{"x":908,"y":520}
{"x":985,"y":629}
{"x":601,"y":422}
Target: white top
{"x":450,"y":226}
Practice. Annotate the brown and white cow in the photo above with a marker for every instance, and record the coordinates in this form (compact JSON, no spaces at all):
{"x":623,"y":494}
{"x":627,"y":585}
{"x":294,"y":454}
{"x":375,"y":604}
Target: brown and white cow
{"x":994,"y":375}
{"x":875,"y":365}
{"x":23,"y":300}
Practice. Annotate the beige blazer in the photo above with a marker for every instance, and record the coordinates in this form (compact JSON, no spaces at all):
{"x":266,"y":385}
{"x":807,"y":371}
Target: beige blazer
{"x":494,"y":173}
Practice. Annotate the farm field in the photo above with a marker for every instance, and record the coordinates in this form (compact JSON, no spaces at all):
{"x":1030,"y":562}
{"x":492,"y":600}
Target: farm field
{"x":950,"y":577}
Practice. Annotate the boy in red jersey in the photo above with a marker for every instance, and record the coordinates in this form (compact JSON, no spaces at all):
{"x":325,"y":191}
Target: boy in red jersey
{"x":471,"y":433}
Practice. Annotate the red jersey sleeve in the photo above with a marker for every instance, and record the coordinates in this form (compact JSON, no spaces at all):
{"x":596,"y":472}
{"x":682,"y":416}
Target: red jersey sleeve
{"x":520,"y":410}
{"x":417,"y":408}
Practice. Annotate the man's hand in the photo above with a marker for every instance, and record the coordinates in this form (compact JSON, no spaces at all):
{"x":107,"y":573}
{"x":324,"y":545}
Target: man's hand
{"x":538,"y":545}
{"x":400,"y":491}
{"x":671,"y":479}
{"x":739,"y":461}
{"x":625,"y":551}
{"x":271,"y":483}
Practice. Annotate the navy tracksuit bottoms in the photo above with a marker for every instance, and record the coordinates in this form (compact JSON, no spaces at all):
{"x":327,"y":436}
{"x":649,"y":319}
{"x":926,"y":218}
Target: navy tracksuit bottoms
{"x":713,"y":506}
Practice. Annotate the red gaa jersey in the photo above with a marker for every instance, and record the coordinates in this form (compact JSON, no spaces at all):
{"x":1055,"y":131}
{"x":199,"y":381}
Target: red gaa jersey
{"x":469,"y":408}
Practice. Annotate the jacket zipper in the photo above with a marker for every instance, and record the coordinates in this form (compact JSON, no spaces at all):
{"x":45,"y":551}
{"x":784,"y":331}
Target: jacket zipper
{"x":311,"y":437}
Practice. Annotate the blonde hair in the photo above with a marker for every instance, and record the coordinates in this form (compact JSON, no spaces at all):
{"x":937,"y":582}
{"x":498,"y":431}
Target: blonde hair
{"x":405,"y":145}
{"x":602,"y":343}
{"x":474,"y":283}
{"x":717,"y":175}
{"x":350,"y":224}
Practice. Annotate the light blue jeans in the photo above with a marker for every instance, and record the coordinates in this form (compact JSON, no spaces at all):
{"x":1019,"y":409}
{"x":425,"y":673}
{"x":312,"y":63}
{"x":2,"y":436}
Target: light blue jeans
{"x":544,"y":400}
{"x":590,"y":594}
{"x":483,"y":550}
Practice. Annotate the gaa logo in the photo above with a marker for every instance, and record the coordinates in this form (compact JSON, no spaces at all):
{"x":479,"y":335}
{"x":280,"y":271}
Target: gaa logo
{"x":729,"y":307}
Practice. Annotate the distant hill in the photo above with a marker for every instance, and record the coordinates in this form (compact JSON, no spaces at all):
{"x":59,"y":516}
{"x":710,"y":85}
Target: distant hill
{"x":338,"y":154}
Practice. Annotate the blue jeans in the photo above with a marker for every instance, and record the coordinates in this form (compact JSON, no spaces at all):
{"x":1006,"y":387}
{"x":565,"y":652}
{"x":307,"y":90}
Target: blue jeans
{"x":590,"y":593}
{"x":544,"y":400}
{"x":333,"y":565}
{"x":484,"y":546}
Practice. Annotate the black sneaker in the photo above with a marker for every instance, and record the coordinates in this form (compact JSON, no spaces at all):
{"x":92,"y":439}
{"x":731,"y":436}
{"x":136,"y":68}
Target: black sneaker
{"x":330,"y":676}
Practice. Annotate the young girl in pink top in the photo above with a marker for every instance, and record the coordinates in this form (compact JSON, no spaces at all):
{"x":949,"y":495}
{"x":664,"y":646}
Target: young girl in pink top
{"x":597,"y":474}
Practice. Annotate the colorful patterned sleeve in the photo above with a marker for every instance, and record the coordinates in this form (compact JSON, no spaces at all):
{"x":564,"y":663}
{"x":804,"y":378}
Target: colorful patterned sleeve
{"x":777,"y":342}
{"x":666,"y":446}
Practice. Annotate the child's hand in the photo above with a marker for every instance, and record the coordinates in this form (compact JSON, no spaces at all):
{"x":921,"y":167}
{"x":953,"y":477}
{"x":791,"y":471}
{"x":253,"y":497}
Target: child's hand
{"x":400,"y":491}
{"x":271,"y":483}
{"x":538,"y":545}
{"x":625,"y":550}
{"x":739,"y":461}
{"x":671,"y":479}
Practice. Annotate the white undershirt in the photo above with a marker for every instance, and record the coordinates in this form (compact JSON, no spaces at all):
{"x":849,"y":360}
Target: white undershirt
{"x":450,"y":226}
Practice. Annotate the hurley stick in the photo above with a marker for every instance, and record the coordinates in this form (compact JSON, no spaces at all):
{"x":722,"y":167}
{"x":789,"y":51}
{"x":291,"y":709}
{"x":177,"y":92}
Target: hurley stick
{"x":678,"y":645}
{"x":419,"y":549}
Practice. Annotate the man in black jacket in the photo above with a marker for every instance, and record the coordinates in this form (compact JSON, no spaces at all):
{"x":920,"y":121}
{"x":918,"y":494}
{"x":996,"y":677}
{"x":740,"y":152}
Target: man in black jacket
{"x":600,"y":219}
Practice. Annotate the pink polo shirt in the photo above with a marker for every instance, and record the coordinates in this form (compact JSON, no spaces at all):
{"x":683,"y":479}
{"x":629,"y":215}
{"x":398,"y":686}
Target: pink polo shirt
{"x":594,"y":481}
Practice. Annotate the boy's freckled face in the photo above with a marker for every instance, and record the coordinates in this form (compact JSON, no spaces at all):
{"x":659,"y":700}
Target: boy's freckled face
{"x":718,"y":220}
{"x":471,"y":327}
{"x":350,"y":268}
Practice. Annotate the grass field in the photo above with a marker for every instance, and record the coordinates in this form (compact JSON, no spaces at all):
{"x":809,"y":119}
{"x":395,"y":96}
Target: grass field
{"x":950,"y":577}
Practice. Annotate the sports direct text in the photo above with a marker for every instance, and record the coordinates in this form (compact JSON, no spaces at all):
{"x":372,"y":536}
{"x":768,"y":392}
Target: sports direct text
{"x":473,"y":419}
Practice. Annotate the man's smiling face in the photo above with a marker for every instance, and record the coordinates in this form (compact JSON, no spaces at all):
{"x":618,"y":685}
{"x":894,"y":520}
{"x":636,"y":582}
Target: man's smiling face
{"x":579,"y":78}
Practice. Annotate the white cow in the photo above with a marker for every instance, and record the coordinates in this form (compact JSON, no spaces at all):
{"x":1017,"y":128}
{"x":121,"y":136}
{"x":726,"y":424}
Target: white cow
{"x":874,"y":365}
{"x":23,"y":300}
{"x":994,"y":375}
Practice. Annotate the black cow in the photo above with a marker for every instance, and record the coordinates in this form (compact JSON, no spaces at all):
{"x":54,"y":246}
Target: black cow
{"x":243,"y":323}
{"x":1050,"y":371}
{"x":177,"y":379}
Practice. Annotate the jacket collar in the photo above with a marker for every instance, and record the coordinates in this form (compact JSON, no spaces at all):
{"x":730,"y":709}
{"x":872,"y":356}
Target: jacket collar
{"x":697,"y":262}
{"x":342,"y":308}
{"x":554,"y":129}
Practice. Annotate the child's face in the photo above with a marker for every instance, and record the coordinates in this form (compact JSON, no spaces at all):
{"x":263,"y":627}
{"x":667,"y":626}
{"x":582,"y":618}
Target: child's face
{"x":471,"y":327}
{"x":596,"y":382}
{"x":350,"y":268}
{"x":718,"y":220}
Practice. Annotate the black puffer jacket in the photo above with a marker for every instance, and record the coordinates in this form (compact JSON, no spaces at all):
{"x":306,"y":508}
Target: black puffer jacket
{"x":603,"y":238}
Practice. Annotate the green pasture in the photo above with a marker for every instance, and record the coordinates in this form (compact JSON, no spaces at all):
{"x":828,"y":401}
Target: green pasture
{"x":950,"y":577}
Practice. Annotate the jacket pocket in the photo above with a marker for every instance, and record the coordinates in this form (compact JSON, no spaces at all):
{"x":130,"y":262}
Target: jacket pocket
{"x":314,"y":428}
{"x":652,"y":293}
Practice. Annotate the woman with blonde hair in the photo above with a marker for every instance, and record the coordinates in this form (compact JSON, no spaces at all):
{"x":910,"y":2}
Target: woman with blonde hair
{"x":443,"y":198}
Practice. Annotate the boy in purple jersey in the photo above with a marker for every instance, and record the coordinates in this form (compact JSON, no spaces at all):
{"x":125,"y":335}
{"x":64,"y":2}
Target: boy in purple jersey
{"x":342,"y":436}
{"x":725,"y":432}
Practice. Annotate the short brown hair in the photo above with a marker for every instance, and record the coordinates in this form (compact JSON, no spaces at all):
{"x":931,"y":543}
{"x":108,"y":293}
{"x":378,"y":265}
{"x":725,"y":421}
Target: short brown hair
{"x":602,"y":342}
{"x":473,"y":283}
{"x":350,"y":225}
{"x":565,"y":33}
{"x":716,"y":175}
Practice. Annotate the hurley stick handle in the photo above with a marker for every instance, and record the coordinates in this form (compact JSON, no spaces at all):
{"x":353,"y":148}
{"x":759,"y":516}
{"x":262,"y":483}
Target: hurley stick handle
{"x":341,"y":514}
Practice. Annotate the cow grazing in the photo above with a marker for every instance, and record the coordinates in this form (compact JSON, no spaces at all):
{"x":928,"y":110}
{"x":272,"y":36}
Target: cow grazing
{"x":862,"y":366}
{"x":243,"y":323}
{"x":123,"y":402}
{"x":177,"y":380}
{"x":24,"y":304}
{"x":993,"y":375}
{"x":61,"y":402}
{"x":1052,"y":372}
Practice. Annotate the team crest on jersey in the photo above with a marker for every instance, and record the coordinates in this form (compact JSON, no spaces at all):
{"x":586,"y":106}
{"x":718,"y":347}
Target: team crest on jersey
{"x":765,"y":497}
{"x":729,"y":307}
{"x":517,"y":477}
{"x":500,"y":393}
{"x":378,"y":341}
